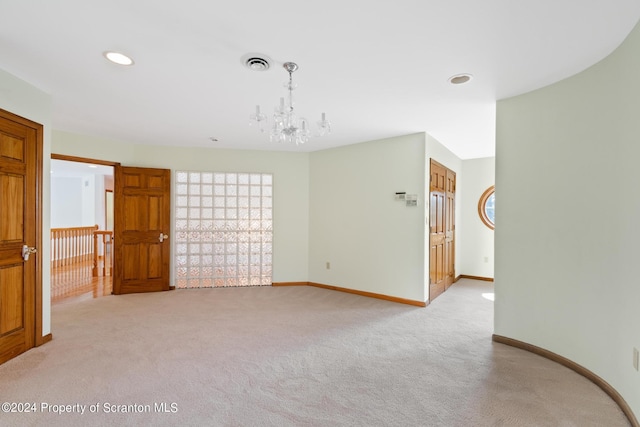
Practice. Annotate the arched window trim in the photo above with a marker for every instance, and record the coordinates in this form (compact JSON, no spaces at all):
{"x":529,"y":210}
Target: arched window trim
{"x":481,"y":206}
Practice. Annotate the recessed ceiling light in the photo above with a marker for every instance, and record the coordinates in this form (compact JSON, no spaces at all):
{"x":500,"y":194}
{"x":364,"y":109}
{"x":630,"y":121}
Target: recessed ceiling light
{"x":118,"y":58}
{"x":459,"y":79}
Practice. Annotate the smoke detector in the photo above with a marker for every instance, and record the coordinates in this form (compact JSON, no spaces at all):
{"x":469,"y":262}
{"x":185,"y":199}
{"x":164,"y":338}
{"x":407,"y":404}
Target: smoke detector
{"x":256,"y":62}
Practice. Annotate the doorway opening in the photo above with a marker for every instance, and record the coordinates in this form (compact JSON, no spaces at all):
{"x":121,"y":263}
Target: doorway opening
{"x":81,"y":227}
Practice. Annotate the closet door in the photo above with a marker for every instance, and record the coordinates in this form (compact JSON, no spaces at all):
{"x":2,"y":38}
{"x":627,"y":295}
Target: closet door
{"x":442,"y":184}
{"x":450,"y":229}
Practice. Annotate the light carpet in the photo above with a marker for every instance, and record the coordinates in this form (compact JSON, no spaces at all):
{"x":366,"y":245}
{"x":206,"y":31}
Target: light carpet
{"x":291,"y":356}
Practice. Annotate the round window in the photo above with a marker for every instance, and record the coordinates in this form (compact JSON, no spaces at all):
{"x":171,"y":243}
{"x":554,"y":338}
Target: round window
{"x":486,"y":207}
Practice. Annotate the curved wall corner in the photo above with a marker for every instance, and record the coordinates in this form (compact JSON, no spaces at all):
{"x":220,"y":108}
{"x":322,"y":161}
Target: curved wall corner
{"x":567,"y":238}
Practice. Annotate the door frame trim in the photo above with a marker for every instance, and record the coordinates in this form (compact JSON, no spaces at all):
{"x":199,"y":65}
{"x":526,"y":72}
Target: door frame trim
{"x":83,"y":160}
{"x":87,"y":160}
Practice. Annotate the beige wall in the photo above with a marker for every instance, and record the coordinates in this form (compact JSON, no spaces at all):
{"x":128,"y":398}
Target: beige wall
{"x":567,"y":240}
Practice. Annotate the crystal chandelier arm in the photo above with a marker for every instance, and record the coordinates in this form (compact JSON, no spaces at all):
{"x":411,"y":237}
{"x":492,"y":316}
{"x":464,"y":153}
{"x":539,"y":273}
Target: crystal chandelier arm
{"x":258,"y":119}
{"x":324,"y":126}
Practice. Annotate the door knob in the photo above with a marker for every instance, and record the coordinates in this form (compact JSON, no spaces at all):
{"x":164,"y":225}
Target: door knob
{"x":162,"y":237}
{"x":26,"y":251}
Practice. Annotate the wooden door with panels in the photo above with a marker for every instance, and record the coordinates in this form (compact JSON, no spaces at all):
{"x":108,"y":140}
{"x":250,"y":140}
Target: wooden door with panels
{"x":442,"y":185}
{"x":450,"y":228}
{"x":141,"y":230}
{"x":20,"y":235}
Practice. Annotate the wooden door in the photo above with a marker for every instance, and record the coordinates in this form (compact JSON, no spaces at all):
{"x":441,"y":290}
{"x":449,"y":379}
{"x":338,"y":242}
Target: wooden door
{"x":141,"y":230}
{"x":437,"y":230}
{"x":441,"y":229}
{"x":20,"y":227}
{"x":450,"y":229}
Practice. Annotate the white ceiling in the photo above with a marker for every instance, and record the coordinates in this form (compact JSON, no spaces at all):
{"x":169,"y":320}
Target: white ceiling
{"x":378,"y":69}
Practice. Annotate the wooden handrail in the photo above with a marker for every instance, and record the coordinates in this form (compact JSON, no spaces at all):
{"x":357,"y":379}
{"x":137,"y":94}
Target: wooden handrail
{"x":102,"y":247}
{"x":71,"y":245}
{"x":74,"y":245}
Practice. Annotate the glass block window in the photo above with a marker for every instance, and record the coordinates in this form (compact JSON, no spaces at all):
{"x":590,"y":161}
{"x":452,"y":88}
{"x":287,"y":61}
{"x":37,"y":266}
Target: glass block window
{"x":224,"y":229}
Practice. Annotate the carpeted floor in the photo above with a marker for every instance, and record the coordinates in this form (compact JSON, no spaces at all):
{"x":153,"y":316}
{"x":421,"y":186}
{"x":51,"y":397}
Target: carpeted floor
{"x":291,"y":356}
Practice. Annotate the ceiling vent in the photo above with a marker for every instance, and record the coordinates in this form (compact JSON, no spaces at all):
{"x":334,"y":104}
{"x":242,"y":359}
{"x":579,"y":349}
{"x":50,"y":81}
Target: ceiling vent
{"x":257,"y":63}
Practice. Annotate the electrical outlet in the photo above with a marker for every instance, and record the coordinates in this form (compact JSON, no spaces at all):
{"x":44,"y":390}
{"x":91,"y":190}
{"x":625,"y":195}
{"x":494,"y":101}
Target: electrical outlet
{"x":636,"y":359}
{"x":328,"y":266}
{"x":486,"y":259}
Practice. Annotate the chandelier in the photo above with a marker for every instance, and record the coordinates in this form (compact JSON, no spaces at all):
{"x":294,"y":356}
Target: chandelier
{"x":286,"y":126}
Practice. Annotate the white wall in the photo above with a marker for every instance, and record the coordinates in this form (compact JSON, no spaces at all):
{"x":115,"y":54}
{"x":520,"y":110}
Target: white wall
{"x":66,"y":201}
{"x":99,"y":200}
{"x":77,"y":201}
{"x":23,"y":99}
{"x":568,"y":209}
{"x":373,"y":242}
{"x":477,"y":246}
{"x":291,"y":185}
{"x":88,"y":201}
